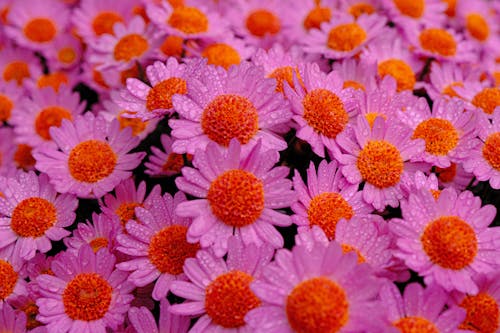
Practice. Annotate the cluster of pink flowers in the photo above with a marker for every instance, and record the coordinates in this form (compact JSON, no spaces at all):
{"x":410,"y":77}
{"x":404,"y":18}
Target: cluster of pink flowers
{"x":249,"y":166}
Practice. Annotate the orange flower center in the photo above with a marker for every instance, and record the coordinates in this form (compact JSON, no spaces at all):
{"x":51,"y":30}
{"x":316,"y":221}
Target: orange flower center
{"x":353,"y":84}
{"x":221,"y":54}
{"x":229,"y":298}
{"x":230,"y":116}
{"x":91,"y":160}
{"x":326,"y":209}
{"x":348,"y":248}
{"x":487,"y":99}
{"x":87,"y":297}
{"x":448,"y":174}
{"x":324,"y":112}
{"x":450,"y":242}
{"x":477,"y":26}
{"x":130,"y":47}
{"x":174,"y":163}
{"x":189,"y":20}
{"x":8,"y":281}
{"x":16,"y":70}
{"x":411,"y":8}
{"x":23,"y":157}
{"x":439,"y":134}
{"x":98,"y":243}
{"x":317,"y":16}
{"x":53,"y":80}
{"x":236,"y":197}
{"x":169,"y":249}
{"x":66,"y":55}
{"x":48,"y":117}
{"x":438,"y":41}
{"x":137,"y":125}
{"x":104,"y":21}
{"x":6,"y":107}
{"x":450,"y":91}
{"x":262,"y":22}
{"x":380,"y":164}
{"x":160,"y":96}
{"x":452,"y":5}
{"x":40,"y":30}
{"x":361,"y":8}
{"x":415,"y":325}
{"x":482,"y":313}
{"x":400,"y":70}
{"x":99,"y":79}
{"x":4,"y":13}
{"x":317,"y":305}
{"x":284,"y":74}
{"x":491,"y":150}
{"x":31,"y":311}
{"x":126,"y":211}
{"x":32,"y":217}
{"x":346,"y":37}
{"x":132,"y":72}
{"x":172,"y":46}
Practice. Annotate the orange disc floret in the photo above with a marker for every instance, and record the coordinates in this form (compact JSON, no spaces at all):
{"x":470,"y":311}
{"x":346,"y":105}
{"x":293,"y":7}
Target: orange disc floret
{"x":349,"y":248}
{"x":189,"y":20}
{"x":23,"y":157}
{"x":262,"y":22}
{"x":40,"y":30}
{"x":477,"y":26}
{"x":452,"y":6}
{"x":174,"y":163}
{"x":438,"y":41}
{"x":450,"y":242}
{"x":66,"y":55}
{"x":487,"y":99}
{"x":447,"y":175}
{"x":91,"y":160}
{"x":346,"y":37}
{"x":317,"y":305}
{"x":284,"y":74}
{"x":169,"y":249}
{"x":411,"y":8}
{"x":53,"y":80}
{"x":172,"y":46}
{"x":48,"y":117}
{"x":16,"y":70}
{"x":380,"y":163}
{"x":415,"y":324}
{"x":126,"y":211}
{"x":324,"y":112}
{"x":104,"y":21}
{"x":98,"y":243}
{"x":229,"y":298}
{"x":491,"y":150}
{"x":32,"y":217}
{"x":8,"y":281}
{"x":361,"y":8}
{"x":482,"y":313}
{"x":317,"y":16}
{"x":221,"y":54}
{"x":236,"y":197}
{"x":129,"y":47}
{"x":440,"y":135}
{"x":6,"y":106}
{"x":230,"y":116}
{"x":87,"y":297}
{"x":326,"y":209}
{"x":399,"y":70}
{"x":160,"y":96}
{"x":138,"y":126}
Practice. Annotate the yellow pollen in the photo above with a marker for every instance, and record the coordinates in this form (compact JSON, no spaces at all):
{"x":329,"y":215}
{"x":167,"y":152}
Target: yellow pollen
{"x":399,"y":70}
{"x":32,"y":217}
{"x":439,"y":134}
{"x":371,"y":116}
{"x":285,"y":74}
{"x":450,"y":91}
{"x":346,"y":37}
{"x":221,"y":54}
{"x":380,"y":164}
{"x":262,"y":22}
{"x":324,"y":112}
{"x":23,"y":157}
{"x":160,"y":96}
{"x":189,"y":20}
{"x":411,"y":8}
{"x":48,"y":117}
{"x":482,"y":313}
{"x":477,"y":26}
{"x":104,"y":21}
{"x":317,"y":305}
{"x":87,"y":297}
{"x":31,"y":311}
{"x":230,"y":116}
{"x":91,"y":160}
{"x":354,"y":84}
{"x":317,"y":16}
{"x":491,"y":150}
{"x":169,"y":249}
{"x":8,"y":281}
{"x":66,"y":55}
{"x":348,"y":248}
{"x":236,"y":197}
{"x":40,"y":30}
{"x":361,"y":8}
{"x":126,"y":211}
{"x":415,"y":325}
{"x":450,"y":242}
{"x":130,"y":47}
{"x":438,"y":41}
{"x":487,"y":99}
{"x":174,"y":163}
{"x":447,"y":175}
{"x":16,"y":70}
{"x":98,"y":243}
{"x":172,"y":46}
{"x":229,"y":298}
{"x":6,"y":107}
{"x":138,"y":126}
{"x":326,"y":209}
{"x":53,"y":80}
{"x":452,"y":5}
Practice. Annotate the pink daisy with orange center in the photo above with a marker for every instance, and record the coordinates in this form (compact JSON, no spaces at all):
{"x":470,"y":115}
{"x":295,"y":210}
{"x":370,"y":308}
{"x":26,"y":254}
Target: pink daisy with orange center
{"x":481,"y":95}
{"x":12,"y":284}
{"x":405,"y":12}
{"x":307,"y":15}
{"x":356,"y":8}
{"x":18,"y":64}
{"x":10,"y":97}
{"x":66,"y":53}
{"x":164,"y":162}
{"x":359,"y":75}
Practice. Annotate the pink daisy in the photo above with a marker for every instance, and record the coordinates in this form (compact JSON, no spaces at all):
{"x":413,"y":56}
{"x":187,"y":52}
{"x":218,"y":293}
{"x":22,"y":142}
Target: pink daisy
{"x":12,"y":284}
{"x":18,"y":64}
{"x":220,"y":290}
{"x":224,"y":105}
{"x":164,"y":162}
{"x":11,"y":320}
{"x":157,"y":245}
{"x":480,"y":95}
{"x":93,"y":156}
{"x":143,"y":321}
{"x":66,"y":53}
{"x":447,"y":241}
{"x":239,"y":195}
{"x":34,"y":214}
{"x":39,"y":264}
{"x":10,"y":97}
{"x":404,"y":12}
{"x":360,"y":75}
{"x":27,"y":305}
{"x":360,"y":7}
{"x":85,"y":293}
{"x":455,"y":175}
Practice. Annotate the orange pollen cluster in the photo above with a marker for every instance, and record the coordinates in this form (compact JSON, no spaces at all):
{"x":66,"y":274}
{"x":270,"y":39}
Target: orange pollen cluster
{"x":16,"y":70}
{"x":137,"y":125}
{"x":229,"y":298}
{"x":491,"y":150}
{"x":172,"y":46}
{"x":477,"y":26}
{"x":66,"y":55}
{"x":8,"y":281}
{"x":411,"y":8}
{"x":324,"y":112}
{"x":53,"y":80}
{"x":262,"y":22}
{"x":91,"y":160}
{"x":284,"y":74}
{"x":400,"y":70}
{"x":450,"y":91}
{"x":236,"y":197}
{"x":87,"y":297}
{"x":130,"y":47}
{"x":126,"y":211}
{"x":103,"y":22}
{"x":40,"y":30}
{"x":487,"y":99}
{"x":6,"y":107}
{"x":361,"y":8}
{"x":353,"y":84}
{"x":48,"y":117}
{"x":32,"y":217}
{"x":438,"y":41}
{"x":326,"y":209}
{"x":23,"y":157}
{"x":348,"y":248}
{"x":380,"y":163}
{"x":440,"y":136}
{"x":99,"y":243}
{"x":447,"y":175}
{"x":230,"y":116}
{"x":346,"y":37}
{"x":317,"y":16}
{"x":174,"y":163}
{"x":221,"y":54}
{"x":31,"y":311}
{"x":452,"y":5}
{"x":415,"y":325}
{"x":317,"y":305}
{"x":482,"y":313}
{"x":169,"y":249}
{"x":189,"y":20}
{"x":450,"y":242}
{"x":160,"y":96}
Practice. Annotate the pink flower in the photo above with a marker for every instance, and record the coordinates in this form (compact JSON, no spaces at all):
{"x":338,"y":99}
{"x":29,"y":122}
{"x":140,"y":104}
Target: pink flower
{"x":164,"y":162}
